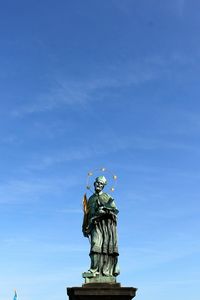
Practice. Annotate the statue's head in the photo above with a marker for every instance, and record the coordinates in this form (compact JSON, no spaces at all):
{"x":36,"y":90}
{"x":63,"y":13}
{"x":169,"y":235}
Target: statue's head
{"x":99,"y":184}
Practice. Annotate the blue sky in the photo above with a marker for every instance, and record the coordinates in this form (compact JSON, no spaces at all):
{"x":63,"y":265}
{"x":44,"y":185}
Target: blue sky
{"x":90,"y":84}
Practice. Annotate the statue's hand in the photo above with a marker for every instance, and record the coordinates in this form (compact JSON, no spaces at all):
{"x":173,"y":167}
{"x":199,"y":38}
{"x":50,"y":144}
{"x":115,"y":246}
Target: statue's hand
{"x":101,"y":211}
{"x":85,"y":234}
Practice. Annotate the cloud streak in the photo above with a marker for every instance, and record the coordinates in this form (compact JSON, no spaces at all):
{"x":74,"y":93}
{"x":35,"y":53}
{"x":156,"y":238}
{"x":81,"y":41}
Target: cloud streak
{"x":181,"y":7}
{"x":31,"y":246}
{"x":29,"y":190}
{"x":158,"y":254}
{"x":80,"y":93}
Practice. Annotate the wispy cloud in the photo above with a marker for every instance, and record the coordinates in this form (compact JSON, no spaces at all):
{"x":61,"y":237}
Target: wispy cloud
{"x":112,"y":144}
{"x":70,"y":211}
{"x":76,"y":94}
{"x":124,"y":6}
{"x":129,"y":7}
{"x":37,"y":246}
{"x":32,"y":280}
{"x":156,"y":254}
{"x":80,"y":93}
{"x":28,"y":190}
{"x":181,"y":7}
{"x":10,"y":139}
{"x":189,"y":122}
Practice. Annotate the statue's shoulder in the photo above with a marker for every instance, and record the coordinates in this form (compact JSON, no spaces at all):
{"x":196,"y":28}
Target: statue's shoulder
{"x":107,"y":197}
{"x":110,"y":202}
{"x":92,"y":198}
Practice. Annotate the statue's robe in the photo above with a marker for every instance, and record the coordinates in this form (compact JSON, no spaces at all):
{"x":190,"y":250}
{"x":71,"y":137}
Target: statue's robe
{"x":102,"y":222}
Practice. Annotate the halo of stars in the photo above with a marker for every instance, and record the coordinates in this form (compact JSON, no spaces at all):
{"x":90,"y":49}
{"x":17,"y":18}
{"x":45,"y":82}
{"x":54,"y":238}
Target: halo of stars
{"x":95,"y":174}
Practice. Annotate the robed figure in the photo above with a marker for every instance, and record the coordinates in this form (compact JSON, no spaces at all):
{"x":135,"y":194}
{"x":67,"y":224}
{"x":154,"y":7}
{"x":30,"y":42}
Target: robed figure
{"x":99,"y":225}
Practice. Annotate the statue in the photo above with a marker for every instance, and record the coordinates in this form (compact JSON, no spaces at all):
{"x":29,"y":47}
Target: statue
{"x":99,"y":225}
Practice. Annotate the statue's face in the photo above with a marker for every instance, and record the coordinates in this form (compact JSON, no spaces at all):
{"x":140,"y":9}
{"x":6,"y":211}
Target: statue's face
{"x":98,"y":186}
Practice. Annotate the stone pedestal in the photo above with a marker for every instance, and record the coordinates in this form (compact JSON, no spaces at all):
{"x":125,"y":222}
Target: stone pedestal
{"x":101,"y":291}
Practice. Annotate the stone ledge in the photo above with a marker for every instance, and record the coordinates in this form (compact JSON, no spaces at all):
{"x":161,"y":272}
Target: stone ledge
{"x":101,"y":292}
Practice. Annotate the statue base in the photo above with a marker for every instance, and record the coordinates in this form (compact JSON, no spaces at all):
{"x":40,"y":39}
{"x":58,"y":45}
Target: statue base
{"x":98,"y":278}
{"x":101,"y":291}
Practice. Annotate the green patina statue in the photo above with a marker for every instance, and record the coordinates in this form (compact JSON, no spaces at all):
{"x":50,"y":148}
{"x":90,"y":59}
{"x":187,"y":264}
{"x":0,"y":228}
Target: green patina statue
{"x":99,"y":225}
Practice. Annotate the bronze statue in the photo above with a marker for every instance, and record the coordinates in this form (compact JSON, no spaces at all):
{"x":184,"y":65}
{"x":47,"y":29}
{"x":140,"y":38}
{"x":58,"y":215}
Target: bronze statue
{"x":99,"y":225}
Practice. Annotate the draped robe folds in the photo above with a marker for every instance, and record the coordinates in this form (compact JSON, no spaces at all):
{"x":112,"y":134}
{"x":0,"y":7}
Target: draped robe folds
{"x":101,"y":228}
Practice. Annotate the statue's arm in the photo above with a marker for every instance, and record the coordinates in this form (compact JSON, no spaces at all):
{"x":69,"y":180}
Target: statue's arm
{"x":111,"y":206}
{"x":85,"y":225}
